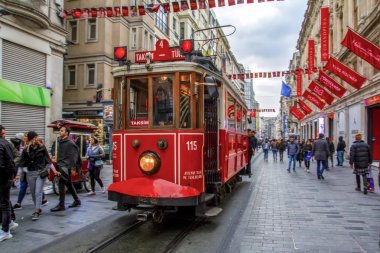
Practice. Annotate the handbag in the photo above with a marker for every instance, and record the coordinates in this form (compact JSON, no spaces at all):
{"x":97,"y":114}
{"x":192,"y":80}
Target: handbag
{"x":43,"y":173}
{"x":370,"y":182}
{"x":98,"y":163}
{"x":308,"y":156}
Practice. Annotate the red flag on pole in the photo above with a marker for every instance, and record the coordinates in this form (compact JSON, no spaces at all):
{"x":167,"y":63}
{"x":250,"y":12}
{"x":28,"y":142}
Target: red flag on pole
{"x":314,"y":99}
{"x":331,"y":85}
{"x":345,"y":73}
{"x":297,"y":113}
{"x":325,"y":32}
{"x":362,"y":48}
{"x":322,"y":93}
{"x":304,"y":107}
{"x":211,"y":4}
{"x":299,"y":83}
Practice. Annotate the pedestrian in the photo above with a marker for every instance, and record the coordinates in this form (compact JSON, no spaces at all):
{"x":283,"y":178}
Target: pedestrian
{"x":266,"y":146}
{"x":300,"y":156}
{"x":321,"y":153}
{"x":252,"y":144}
{"x":330,"y":141}
{"x":7,"y":172}
{"x":95,"y":154}
{"x":360,"y":160}
{"x":68,"y":160}
{"x":281,"y":149}
{"x":293,"y":150}
{"x":307,"y":150}
{"x":340,"y":149}
{"x":274,"y":149}
{"x":35,"y":158}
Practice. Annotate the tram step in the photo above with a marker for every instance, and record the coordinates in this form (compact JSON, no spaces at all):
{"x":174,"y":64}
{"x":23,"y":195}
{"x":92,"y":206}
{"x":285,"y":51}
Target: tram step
{"x":213,"y":211}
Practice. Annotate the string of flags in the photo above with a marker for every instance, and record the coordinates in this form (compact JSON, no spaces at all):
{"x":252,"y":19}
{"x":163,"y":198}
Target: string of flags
{"x":273,"y":74}
{"x":141,"y":10}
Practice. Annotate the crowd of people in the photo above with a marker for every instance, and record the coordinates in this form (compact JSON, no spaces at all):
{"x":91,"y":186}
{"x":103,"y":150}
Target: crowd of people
{"x":25,"y":161}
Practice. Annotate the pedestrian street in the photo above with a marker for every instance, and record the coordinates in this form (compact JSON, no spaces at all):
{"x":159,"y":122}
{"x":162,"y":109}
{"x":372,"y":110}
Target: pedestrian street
{"x":296,"y":212}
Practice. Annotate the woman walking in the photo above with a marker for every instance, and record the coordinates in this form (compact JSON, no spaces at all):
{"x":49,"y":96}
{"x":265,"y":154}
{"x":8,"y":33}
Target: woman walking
{"x":300,"y":156}
{"x":37,"y":161}
{"x":281,"y":149}
{"x":274,"y":146}
{"x":307,"y":149}
{"x":360,"y":159}
{"x":95,"y":154}
{"x":340,"y":149}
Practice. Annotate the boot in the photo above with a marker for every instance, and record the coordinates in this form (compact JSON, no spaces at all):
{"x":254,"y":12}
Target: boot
{"x":76,"y":203}
{"x":59,"y":207}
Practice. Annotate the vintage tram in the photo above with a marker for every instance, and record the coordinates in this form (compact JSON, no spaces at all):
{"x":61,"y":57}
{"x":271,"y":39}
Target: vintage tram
{"x":180,"y":137}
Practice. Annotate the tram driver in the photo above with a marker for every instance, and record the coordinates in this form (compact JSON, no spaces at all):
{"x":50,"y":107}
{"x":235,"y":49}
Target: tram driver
{"x":163,"y":111}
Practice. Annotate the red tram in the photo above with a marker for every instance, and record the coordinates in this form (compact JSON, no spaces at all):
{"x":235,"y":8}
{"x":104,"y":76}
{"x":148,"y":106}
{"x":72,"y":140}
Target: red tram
{"x":181,"y":136}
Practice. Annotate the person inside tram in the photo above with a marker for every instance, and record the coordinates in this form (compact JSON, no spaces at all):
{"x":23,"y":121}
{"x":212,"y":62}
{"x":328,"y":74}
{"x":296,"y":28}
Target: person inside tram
{"x":162,"y":109}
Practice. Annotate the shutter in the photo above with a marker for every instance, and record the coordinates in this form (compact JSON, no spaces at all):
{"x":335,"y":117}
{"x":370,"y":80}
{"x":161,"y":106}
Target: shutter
{"x":18,"y":118}
{"x":23,"y":64}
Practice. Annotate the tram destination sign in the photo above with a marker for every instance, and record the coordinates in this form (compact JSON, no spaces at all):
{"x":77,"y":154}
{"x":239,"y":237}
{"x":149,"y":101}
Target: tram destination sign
{"x":163,"y":53}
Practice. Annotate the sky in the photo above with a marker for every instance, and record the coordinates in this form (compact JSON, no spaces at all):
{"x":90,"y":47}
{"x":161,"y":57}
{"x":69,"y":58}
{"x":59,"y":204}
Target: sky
{"x":265,"y":40}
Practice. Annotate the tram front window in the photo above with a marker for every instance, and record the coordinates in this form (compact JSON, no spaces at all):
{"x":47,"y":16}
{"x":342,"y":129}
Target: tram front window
{"x":162,"y":101}
{"x":138,"y":102}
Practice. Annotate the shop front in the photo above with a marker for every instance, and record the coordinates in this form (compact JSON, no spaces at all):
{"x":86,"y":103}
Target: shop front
{"x":373,"y":115}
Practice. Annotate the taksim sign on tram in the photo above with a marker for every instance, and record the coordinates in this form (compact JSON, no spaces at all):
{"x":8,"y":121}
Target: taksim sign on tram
{"x":163,"y":53}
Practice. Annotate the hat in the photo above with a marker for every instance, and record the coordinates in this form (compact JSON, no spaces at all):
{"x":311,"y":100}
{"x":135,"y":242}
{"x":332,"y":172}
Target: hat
{"x":31,"y":135}
{"x":19,"y":136}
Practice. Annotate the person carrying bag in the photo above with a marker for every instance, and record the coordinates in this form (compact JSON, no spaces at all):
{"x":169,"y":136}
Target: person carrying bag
{"x":95,"y":154}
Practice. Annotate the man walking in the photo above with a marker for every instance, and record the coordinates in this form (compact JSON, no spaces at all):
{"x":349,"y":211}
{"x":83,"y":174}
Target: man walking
{"x":340,"y":148}
{"x":321,"y":153}
{"x":265,"y":147}
{"x":293,"y":150}
{"x":67,"y":159}
{"x":251,"y":150}
{"x":7,"y":171}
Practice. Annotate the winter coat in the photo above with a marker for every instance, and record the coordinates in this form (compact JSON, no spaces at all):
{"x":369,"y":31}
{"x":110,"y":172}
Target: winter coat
{"x":68,"y":154}
{"x":341,"y":146}
{"x":281,"y":146}
{"x":94,"y":153}
{"x":273,"y":145}
{"x":300,"y":155}
{"x":35,"y":158}
{"x":307,"y":148}
{"x":7,"y":166}
{"x":321,"y":150}
{"x":360,"y":154}
{"x":331,"y":147}
{"x":266,"y":145}
{"x":293,"y":148}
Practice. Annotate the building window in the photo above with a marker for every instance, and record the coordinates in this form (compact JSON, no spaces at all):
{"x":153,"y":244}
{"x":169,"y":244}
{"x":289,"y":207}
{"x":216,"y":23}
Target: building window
{"x":73,"y":31}
{"x":71,"y":77}
{"x":162,"y":20}
{"x":182,"y":31}
{"x":134,"y":38}
{"x":146,"y":40}
{"x":91,"y":75}
{"x":151,"y":42}
{"x":92,"y":29}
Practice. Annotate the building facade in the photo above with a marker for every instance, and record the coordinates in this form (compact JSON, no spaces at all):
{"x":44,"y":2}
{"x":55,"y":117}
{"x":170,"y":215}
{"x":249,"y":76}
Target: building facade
{"x":358,"y":110}
{"x":32,"y":45}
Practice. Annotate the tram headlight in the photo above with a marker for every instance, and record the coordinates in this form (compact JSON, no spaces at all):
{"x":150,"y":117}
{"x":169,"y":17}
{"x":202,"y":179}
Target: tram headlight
{"x":149,"y":162}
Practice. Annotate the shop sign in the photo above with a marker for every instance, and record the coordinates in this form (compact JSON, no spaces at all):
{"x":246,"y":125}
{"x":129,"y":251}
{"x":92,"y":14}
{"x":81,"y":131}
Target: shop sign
{"x":108,"y":112}
{"x":139,"y":122}
{"x":86,"y":113}
{"x":372,"y":100}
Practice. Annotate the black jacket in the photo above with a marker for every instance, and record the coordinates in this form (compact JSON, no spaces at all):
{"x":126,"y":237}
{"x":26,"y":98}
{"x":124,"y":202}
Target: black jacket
{"x":68,"y":154}
{"x":341,"y":146}
{"x":360,"y":154}
{"x":35,"y":158}
{"x":7,"y":166}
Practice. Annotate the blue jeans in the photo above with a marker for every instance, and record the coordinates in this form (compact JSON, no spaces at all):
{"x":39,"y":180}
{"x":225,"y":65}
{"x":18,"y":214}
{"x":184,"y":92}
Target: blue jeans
{"x":292,"y":158}
{"x":340,"y":158}
{"x":321,"y":166}
{"x":274,"y":151}
{"x":22,"y":192}
{"x":266,"y":151}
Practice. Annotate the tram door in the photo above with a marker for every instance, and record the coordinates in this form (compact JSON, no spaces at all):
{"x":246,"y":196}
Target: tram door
{"x":211,"y":134}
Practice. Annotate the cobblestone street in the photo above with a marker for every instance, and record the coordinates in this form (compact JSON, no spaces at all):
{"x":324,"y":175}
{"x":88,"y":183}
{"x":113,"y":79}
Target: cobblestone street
{"x":297,"y":213}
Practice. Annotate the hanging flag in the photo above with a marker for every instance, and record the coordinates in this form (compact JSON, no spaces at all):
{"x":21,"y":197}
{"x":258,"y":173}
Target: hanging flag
{"x":231,"y":2}
{"x":116,"y":11}
{"x":251,"y":75}
{"x":152,"y":8}
{"x":184,"y":5}
{"x":229,"y":76}
{"x":94,"y":12}
{"x":240,"y":1}
{"x":322,"y":93}
{"x":261,"y":1}
{"x":311,"y":56}
{"x":175,"y":6}
{"x":101,"y":12}
{"x":109,"y":12}
{"x":202,"y":4}
{"x":133,"y":11}
{"x":76,"y":13}
{"x":299,"y":82}
{"x":269,"y":75}
{"x":246,"y":76}
{"x":345,"y":73}
{"x":166,"y":7}
{"x":234,"y":76}
{"x":221,"y":3}
{"x":362,"y":47}
{"x":331,"y":85}
{"x":256,"y":75}
{"x":297,"y":113}
{"x":304,"y":107}
{"x":260,"y":75}
{"x":85,"y":13}
{"x":283,"y":73}
{"x":124,"y":11}
{"x":286,"y":91}
{"x":193,"y":5}
{"x":325,"y":32}
{"x":250,"y":1}
{"x":211,"y":4}
{"x":314,"y":99}
{"x":265,"y":74}
{"x":141,"y":10}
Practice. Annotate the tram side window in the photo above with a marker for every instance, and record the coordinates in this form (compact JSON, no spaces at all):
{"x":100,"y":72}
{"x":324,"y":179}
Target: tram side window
{"x":231,"y":113}
{"x":244,"y":120}
{"x":184,"y":101}
{"x":138,"y":102}
{"x":162,"y":100}
{"x":238,"y":117}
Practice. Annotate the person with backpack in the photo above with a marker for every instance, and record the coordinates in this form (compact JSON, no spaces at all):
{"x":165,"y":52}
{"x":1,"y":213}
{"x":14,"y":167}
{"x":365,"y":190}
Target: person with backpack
{"x":7,"y":172}
{"x":281,"y":148}
{"x":273,"y":147}
{"x":266,"y":146}
{"x":68,"y":160}
{"x":340,"y":149}
{"x":95,"y":154}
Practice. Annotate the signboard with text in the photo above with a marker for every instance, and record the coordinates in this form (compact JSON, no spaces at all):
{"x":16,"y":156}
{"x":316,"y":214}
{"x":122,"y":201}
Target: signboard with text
{"x":163,"y":53}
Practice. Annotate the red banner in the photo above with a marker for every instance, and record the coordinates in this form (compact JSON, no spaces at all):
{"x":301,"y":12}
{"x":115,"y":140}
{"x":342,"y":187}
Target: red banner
{"x":345,"y":73}
{"x":304,"y":107}
{"x":311,"y":54}
{"x":362,"y":48}
{"x":314,"y":99}
{"x":322,"y":93}
{"x":331,"y":85}
{"x":299,"y":83}
{"x":325,"y":32}
{"x":297,"y":113}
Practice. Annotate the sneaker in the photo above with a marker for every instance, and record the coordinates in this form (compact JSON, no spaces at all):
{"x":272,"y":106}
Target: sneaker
{"x":323,"y":178}
{"x":5,"y":235}
{"x":13,"y":225}
{"x":36,"y":216}
{"x":17,"y":206}
{"x":91,"y":193}
{"x":58,"y":208}
{"x":76,"y":203}
{"x":308,"y":171}
{"x":44,"y":202}
{"x":104,"y":188}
